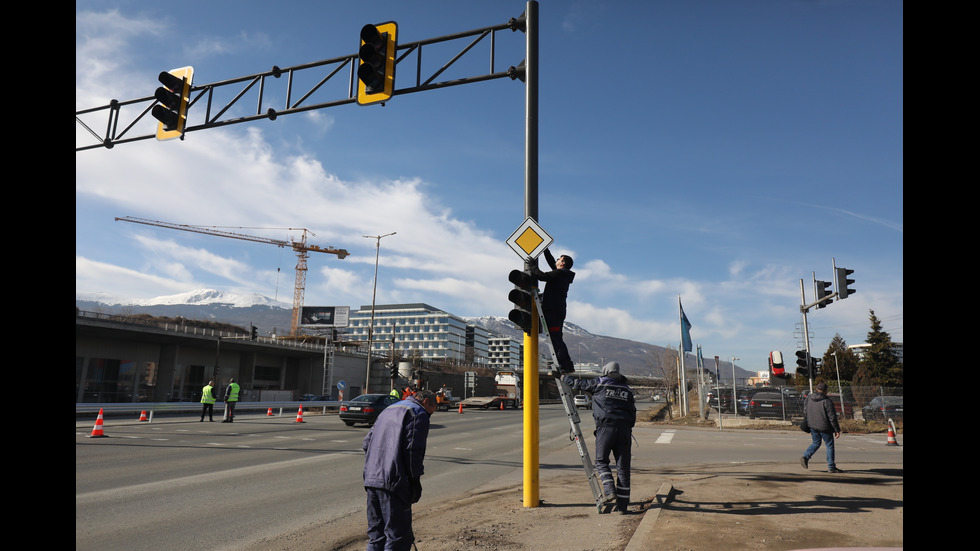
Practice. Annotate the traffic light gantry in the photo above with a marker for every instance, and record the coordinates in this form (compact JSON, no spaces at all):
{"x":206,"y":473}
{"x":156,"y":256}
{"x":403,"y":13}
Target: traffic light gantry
{"x":376,"y":63}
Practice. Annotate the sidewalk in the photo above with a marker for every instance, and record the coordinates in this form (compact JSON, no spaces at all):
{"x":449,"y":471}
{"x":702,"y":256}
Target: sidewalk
{"x":764,"y":506}
{"x":774,"y":506}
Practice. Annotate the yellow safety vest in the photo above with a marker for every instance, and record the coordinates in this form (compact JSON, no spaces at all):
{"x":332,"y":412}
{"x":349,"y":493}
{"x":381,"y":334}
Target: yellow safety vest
{"x":206,"y":396}
{"x":234,"y":392}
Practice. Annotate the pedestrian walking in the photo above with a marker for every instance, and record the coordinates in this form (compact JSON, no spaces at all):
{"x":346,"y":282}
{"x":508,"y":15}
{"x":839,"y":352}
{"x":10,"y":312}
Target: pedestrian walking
{"x":820,"y":414}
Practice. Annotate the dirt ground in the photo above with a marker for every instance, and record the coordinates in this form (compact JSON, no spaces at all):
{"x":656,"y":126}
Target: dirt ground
{"x":764,"y":506}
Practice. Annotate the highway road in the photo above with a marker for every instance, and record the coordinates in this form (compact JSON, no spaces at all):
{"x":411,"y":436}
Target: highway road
{"x":177,"y":483}
{"x":170,"y":483}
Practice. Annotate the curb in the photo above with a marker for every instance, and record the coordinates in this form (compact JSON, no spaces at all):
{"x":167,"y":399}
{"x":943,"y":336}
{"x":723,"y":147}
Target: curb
{"x":649,"y":522}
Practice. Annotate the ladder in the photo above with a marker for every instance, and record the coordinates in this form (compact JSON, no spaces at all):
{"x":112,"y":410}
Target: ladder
{"x":604,"y":503}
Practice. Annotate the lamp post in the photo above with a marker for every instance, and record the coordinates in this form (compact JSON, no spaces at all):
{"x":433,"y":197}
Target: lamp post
{"x":377,"y":254}
{"x":839,"y":389}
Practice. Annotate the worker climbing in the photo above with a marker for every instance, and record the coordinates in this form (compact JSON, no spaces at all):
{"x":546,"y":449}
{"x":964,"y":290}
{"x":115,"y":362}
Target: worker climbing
{"x":553,"y":303}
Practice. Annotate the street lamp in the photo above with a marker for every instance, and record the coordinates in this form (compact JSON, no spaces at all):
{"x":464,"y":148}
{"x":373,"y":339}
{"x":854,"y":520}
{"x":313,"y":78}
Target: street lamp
{"x":377,"y":254}
{"x":839,"y":389}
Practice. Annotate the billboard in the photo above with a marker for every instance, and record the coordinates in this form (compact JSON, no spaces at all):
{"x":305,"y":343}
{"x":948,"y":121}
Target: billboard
{"x":325,"y":316}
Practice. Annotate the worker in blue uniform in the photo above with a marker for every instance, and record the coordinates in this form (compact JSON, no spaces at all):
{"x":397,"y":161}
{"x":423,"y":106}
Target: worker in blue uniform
{"x":394,"y":451}
{"x":614,"y":410}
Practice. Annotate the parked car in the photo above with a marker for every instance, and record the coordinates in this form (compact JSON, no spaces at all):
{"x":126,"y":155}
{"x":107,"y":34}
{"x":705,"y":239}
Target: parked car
{"x":726,"y":400}
{"x":744,"y":396}
{"x":583,"y":401}
{"x":883,"y":408}
{"x":365,"y":408}
{"x":768,"y":403}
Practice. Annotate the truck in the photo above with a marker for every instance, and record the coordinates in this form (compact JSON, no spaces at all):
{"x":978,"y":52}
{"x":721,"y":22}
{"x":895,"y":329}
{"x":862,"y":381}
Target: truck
{"x":508,"y":393}
{"x":445,"y":400}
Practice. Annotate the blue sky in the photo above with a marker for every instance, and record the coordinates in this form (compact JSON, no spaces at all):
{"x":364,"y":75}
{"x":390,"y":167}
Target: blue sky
{"x":755,"y":143}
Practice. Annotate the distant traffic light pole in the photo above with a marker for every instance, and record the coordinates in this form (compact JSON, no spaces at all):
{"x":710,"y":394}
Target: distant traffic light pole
{"x":823,"y":297}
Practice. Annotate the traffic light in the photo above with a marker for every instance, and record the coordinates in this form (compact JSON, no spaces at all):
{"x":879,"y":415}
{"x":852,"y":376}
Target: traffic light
{"x":394,"y":370}
{"x":814,"y":367}
{"x":174,"y":96}
{"x":822,"y":289}
{"x":522,"y":298}
{"x":843,"y":283}
{"x":255,"y":333}
{"x":802,"y":364}
{"x":376,"y":63}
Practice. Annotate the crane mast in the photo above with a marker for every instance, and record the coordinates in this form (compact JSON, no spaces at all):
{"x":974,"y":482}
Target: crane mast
{"x":301,"y":247}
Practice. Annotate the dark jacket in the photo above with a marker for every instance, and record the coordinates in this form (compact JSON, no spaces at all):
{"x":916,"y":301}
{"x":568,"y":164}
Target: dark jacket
{"x":613,"y":401}
{"x":820,"y":413}
{"x":395,"y":448}
{"x":556,"y":287}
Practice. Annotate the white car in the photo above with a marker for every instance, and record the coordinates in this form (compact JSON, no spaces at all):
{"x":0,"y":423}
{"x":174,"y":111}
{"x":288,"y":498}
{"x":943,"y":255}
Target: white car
{"x":583,"y":401}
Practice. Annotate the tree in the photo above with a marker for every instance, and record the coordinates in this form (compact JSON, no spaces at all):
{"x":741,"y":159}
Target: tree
{"x":880,"y":366}
{"x":845,"y":363}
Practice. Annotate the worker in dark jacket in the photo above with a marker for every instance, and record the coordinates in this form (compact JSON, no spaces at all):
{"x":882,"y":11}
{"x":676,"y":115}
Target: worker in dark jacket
{"x":821,"y":415}
{"x":553,"y":303}
{"x":394,"y":449}
{"x":614,"y":410}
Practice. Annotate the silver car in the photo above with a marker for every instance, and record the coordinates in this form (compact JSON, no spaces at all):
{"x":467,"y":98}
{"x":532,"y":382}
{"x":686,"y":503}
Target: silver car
{"x":583,"y":401}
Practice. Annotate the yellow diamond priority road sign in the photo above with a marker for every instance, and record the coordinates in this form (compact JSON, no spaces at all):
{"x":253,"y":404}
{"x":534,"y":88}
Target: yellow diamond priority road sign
{"x":529,"y":240}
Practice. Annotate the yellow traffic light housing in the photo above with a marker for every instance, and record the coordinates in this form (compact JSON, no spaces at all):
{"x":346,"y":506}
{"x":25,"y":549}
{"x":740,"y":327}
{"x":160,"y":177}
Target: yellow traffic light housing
{"x":376,"y":63}
{"x":174,"y":96}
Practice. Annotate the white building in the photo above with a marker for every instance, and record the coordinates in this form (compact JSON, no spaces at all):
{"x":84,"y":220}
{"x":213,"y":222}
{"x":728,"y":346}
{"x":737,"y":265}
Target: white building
{"x":421,"y":329}
{"x":505,"y":353}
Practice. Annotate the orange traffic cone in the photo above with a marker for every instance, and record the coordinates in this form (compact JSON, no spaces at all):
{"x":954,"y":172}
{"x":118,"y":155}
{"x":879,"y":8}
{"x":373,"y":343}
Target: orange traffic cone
{"x":299,"y":416}
{"x":97,"y":431}
{"x":461,"y":407}
{"x":270,"y":412}
{"x":891,"y":435}
{"x":143,"y":416}
{"x":501,"y":405}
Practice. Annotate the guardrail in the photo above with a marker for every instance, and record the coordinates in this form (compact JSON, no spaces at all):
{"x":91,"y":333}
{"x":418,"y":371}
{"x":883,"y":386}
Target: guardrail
{"x":177,"y":407}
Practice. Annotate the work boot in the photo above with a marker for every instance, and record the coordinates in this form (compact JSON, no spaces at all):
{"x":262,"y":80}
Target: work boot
{"x":804,"y":461}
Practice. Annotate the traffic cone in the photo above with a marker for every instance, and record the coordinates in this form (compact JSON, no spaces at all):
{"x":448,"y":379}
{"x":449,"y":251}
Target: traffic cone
{"x":270,"y":412}
{"x":461,"y":407}
{"x":97,"y":431}
{"x":501,"y":405}
{"x":143,"y":416}
{"x":299,"y":416}
{"x":891,"y":435}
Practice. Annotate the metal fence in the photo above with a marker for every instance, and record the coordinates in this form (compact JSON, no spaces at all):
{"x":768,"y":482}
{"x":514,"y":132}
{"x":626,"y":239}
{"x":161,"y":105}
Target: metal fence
{"x":786,"y":403}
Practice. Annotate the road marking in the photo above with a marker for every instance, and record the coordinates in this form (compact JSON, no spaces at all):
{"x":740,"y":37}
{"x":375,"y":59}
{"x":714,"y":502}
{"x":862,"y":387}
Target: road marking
{"x":665,"y":438}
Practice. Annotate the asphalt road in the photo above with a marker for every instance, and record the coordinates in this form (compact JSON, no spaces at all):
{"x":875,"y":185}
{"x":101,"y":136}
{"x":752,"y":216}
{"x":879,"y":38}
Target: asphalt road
{"x":168,"y":484}
{"x":162,"y":485}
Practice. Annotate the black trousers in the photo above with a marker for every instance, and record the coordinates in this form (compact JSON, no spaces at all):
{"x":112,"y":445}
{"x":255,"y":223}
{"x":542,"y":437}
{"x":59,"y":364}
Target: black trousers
{"x":207,"y":409}
{"x":389,"y":521}
{"x":618,"y":442}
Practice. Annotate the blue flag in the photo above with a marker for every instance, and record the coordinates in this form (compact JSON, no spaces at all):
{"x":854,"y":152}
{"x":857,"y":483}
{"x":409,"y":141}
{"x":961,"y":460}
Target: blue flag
{"x":685,"y":329}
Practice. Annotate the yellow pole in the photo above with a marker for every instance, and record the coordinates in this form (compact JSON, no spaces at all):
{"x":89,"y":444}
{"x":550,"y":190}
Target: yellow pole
{"x":531,"y":439}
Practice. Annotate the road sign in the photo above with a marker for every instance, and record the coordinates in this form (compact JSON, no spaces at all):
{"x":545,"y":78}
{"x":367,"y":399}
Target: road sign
{"x":529,"y":240}
{"x":341,"y":385}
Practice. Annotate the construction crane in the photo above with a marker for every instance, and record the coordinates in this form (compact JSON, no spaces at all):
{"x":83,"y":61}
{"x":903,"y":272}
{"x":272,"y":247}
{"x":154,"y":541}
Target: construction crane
{"x":301,"y":247}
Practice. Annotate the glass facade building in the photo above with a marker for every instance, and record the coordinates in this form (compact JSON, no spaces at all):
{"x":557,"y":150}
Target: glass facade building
{"x":420,"y":330}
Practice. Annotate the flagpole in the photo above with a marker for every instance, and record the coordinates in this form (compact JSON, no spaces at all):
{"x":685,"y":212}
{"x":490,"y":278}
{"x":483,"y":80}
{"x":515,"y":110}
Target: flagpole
{"x":682,"y":379}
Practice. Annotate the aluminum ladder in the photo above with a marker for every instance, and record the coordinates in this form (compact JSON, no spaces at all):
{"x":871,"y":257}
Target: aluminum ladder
{"x":604,"y":503}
